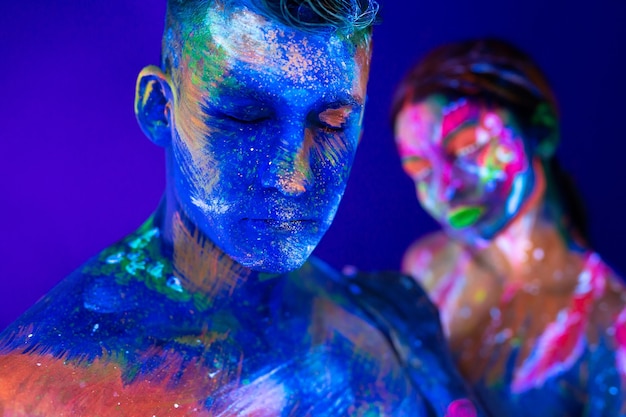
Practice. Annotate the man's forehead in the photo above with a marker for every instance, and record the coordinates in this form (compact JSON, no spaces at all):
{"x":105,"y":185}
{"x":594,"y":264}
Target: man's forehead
{"x":240,"y":37}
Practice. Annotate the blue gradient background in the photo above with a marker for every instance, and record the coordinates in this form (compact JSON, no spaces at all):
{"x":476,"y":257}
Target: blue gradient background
{"x":76,"y":173}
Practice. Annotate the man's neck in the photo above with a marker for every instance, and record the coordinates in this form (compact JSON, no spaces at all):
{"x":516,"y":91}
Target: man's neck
{"x":202,"y":268}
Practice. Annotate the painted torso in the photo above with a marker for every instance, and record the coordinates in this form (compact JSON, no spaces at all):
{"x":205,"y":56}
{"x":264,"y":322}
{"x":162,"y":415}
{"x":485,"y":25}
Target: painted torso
{"x":121,"y":337}
{"x":550,"y":346}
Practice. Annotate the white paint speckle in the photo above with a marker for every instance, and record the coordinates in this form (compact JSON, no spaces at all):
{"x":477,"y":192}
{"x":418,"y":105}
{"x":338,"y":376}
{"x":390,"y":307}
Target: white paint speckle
{"x":465,"y":312}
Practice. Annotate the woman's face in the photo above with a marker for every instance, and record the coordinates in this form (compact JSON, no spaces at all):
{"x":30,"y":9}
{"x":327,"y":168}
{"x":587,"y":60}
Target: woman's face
{"x":470,"y":163}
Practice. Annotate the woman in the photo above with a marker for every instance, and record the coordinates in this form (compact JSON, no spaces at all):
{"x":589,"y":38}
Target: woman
{"x":536,"y":320}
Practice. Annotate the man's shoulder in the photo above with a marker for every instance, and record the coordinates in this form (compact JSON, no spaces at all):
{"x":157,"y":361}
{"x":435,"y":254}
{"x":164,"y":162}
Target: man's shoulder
{"x":390,"y":301}
{"x":90,"y":312}
{"x":385,"y":289}
{"x":69,"y":317}
{"x":400,"y":308}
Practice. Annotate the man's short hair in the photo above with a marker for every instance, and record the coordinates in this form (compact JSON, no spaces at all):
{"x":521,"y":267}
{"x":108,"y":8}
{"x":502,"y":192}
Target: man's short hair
{"x":353,"y":18}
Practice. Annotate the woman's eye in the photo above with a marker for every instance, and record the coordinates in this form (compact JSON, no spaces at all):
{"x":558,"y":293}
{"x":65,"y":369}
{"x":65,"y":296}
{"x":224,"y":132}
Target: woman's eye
{"x":417,"y":168}
{"x":466,"y":142}
{"x":467,"y":150}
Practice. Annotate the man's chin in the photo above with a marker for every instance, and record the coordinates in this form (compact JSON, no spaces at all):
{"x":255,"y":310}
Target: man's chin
{"x":276,"y":263}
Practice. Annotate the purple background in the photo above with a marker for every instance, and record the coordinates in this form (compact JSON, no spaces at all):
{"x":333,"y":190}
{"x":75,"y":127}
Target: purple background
{"x":76,"y":173}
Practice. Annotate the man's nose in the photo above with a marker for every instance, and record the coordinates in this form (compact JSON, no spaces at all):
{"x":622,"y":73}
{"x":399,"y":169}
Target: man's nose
{"x":288,"y":169}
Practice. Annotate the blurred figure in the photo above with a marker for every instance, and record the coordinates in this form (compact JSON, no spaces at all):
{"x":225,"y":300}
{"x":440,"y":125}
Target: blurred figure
{"x":535,"y":319}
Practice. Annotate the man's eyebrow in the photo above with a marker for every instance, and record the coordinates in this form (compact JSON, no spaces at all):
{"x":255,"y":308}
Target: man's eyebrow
{"x":239,"y":94}
{"x":247,"y":92}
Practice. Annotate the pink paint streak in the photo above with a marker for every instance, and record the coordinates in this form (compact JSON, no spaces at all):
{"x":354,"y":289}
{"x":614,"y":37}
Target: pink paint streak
{"x":563,"y":341}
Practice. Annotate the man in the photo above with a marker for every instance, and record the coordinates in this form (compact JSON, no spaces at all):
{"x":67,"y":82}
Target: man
{"x":210,"y":308}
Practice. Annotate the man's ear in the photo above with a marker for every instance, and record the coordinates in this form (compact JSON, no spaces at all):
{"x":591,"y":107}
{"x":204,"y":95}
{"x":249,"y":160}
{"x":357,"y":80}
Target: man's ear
{"x":547,"y":126}
{"x":153,"y":103}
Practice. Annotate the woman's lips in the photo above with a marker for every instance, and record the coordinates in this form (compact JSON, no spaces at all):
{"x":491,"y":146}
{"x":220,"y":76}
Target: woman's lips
{"x":464,"y":216}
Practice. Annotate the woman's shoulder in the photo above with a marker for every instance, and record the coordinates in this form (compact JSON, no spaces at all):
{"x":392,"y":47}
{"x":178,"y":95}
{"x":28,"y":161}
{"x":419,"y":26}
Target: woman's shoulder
{"x":430,"y":257}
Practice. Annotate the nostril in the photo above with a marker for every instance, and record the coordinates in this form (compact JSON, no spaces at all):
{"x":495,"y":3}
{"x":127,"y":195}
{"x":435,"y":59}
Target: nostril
{"x":449,"y":193}
{"x":291,"y":187}
{"x":287,"y":178}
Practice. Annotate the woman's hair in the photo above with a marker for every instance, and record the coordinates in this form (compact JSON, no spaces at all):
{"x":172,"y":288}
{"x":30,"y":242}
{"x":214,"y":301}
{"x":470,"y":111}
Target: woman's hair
{"x":484,"y":68}
{"x":498,"y":72}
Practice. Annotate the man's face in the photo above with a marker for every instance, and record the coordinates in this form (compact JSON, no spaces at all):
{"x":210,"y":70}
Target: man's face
{"x":266,"y":122}
{"x":471,"y":165}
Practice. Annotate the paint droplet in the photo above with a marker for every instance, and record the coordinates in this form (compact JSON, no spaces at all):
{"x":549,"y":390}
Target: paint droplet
{"x":504,"y":155}
{"x":354,"y":289}
{"x":349,"y":270}
{"x":115,"y":258}
{"x":503,"y":335}
{"x":532,"y":288}
{"x":482,"y":136}
{"x":538,"y":254}
{"x":176,"y":405}
{"x":95,"y":328}
{"x":407,"y":282}
{"x":156,"y":270}
{"x":461,"y":408}
{"x":174,"y":284}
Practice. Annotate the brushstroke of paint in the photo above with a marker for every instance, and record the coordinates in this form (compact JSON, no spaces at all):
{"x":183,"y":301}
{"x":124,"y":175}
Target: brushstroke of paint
{"x":563,"y":341}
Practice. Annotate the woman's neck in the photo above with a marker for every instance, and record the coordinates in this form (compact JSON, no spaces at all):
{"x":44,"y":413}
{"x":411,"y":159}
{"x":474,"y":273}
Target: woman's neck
{"x":531,"y":245}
